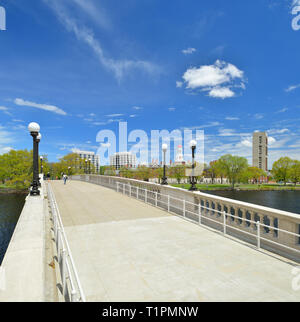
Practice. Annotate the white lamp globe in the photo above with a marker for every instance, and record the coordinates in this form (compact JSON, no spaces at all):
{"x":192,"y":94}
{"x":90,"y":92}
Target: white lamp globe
{"x":193,"y":144}
{"x":39,"y":137}
{"x":33,"y":127}
{"x":41,"y":157}
{"x":164,"y":147}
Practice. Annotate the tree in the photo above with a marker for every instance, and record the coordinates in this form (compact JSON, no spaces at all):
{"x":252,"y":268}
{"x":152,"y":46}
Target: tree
{"x":233,"y":167}
{"x":254,"y":173}
{"x":281,"y":169}
{"x":294,"y":172}
{"x":177,"y":172}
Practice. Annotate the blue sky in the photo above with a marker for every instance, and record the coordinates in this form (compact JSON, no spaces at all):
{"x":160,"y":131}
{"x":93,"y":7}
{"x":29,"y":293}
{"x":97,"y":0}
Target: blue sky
{"x":80,"y":66}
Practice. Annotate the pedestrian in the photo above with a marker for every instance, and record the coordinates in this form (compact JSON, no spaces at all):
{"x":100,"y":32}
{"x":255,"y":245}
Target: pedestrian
{"x":65,"y":178}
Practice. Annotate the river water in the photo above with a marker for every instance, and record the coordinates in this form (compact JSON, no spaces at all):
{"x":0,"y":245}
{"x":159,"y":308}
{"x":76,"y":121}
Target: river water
{"x":11,"y":206}
{"x":283,"y":200}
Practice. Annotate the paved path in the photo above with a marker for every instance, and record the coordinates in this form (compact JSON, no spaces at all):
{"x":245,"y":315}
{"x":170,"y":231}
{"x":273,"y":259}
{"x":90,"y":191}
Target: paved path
{"x":125,"y":250}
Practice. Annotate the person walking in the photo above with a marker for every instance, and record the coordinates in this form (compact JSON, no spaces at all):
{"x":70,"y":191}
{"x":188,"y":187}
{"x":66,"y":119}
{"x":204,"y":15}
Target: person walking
{"x":65,"y":178}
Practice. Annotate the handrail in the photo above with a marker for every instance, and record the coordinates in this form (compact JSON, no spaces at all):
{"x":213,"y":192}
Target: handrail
{"x":72,"y":290}
{"x":123,"y":188}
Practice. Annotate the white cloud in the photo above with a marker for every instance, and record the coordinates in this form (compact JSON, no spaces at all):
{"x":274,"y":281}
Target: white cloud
{"x":82,"y":33}
{"x":179,"y":84}
{"x":271,"y":140}
{"x":114,"y":115}
{"x":232,"y":118}
{"x":189,"y":51}
{"x":137,"y":108}
{"x":259,"y":116}
{"x":221,"y":92}
{"x":132,"y":115}
{"x":172,"y":109}
{"x":285,"y":109}
{"x":46,"y":107}
{"x":292,"y":88}
{"x":218,"y":79}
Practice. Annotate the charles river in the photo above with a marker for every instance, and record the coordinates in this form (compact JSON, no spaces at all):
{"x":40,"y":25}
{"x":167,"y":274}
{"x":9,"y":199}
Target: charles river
{"x":11,"y":206}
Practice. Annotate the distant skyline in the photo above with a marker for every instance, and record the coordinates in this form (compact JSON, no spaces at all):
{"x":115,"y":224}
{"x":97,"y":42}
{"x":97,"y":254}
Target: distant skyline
{"x":81,"y":66}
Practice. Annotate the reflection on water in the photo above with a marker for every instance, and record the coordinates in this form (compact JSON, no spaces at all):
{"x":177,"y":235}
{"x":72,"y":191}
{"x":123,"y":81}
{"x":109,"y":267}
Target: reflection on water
{"x":11,"y":206}
{"x":283,"y":200}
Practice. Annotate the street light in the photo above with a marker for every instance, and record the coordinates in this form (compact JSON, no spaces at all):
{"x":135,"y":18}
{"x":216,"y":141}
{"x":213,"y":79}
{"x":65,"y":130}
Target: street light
{"x":86,"y":166}
{"x":69,"y":168}
{"x":193,"y":145}
{"x":164,"y":179}
{"x":34,"y":130}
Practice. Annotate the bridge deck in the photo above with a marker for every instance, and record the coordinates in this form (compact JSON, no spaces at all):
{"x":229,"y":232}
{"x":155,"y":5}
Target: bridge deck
{"x":125,"y":250}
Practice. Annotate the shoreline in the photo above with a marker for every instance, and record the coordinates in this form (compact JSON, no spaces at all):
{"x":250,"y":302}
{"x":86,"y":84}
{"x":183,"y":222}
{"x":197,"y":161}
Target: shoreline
{"x":13,"y":191}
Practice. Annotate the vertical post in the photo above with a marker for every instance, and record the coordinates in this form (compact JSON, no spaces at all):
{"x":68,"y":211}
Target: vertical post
{"x":258,"y":234}
{"x":156,"y":199}
{"x":63,"y":270}
{"x":224,"y":222}
{"x":183,"y":208}
{"x":137,"y":192}
{"x":199,"y":213}
{"x":168,"y":203}
{"x":146,"y":197}
{"x":129,"y":189}
{"x":73,"y":296}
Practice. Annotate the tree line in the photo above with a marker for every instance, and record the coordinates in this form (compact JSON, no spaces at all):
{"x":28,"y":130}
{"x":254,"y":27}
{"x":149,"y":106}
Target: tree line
{"x":16,"y":170}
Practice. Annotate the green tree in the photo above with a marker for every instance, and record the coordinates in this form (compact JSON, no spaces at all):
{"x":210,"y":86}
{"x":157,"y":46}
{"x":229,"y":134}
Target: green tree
{"x":294,"y":172}
{"x":233,"y":167}
{"x":281,"y":169}
{"x":177,"y":172}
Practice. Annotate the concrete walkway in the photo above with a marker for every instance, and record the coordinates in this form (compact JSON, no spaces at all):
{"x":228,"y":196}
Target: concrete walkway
{"x":125,"y":250}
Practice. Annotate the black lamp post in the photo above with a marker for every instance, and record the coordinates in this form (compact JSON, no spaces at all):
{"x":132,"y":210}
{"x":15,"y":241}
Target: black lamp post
{"x":86,"y":166}
{"x":34,"y":129}
{"x":38,"y":140}
{"x":69,"y":171}
{"x":164,"y":179}
{"x":193,"y":145}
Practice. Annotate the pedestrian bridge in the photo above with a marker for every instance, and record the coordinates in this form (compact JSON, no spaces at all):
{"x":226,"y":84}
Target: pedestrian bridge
{"x":121,"y":248}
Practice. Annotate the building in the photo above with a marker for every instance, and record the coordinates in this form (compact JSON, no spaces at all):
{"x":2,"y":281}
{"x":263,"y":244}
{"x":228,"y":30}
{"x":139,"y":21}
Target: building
{"x":123,"y":159}
{"x":88,"y":155}
{"x":179,"y":156}
{"x":260,"y":150}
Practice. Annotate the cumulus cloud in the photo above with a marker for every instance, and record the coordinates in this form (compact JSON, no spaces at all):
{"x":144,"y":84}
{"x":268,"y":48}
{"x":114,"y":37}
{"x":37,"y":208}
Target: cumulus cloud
{"x":188,"y":51}
{"x":46,"y":107}
{"x":218,"y":80}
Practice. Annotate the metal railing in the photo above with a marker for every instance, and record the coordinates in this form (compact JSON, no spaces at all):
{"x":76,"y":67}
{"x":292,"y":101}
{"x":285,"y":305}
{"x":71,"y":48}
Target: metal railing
{"x":183,"y":208}
{"x":71,"y":287}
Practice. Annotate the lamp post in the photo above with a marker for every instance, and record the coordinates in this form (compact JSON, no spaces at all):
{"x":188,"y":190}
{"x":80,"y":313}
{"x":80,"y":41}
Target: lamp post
{"x":86,"y":166}
{"x":164,"y":179}
{"x":34,"y":129}
{"x":38,"y":140}
{"x":193,"y":145}
{"x":69,"y":168}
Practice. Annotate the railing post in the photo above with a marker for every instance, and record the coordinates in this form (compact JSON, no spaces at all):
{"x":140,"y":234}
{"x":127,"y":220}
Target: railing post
{"x":63,"y":271}
{"x":199,"y":213}
{"x":129,"y":190}
{"x":137,"y":192}
{"x":73,"y":296}
{"x":155,"y":199}
{"x":258,"y":234}
{"x":224,"y":222}
{"x":183,"y":208}
{"x":146,"y":196}
{"x":168,"y":203}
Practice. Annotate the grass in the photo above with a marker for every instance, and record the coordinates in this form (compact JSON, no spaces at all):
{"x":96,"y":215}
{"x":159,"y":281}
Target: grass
{"x":240,"y":187}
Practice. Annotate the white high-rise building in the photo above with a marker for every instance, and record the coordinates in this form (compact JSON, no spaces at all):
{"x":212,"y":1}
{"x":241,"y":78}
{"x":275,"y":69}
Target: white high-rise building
{"x":89,"y":155}
{"x":123,"y":159}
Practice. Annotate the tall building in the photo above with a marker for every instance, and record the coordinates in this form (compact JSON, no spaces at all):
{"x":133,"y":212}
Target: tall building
{"x":179,"y":156}
{"x":260,"y":150}
{"x":88,"y":155}
{"x":123,"y":159}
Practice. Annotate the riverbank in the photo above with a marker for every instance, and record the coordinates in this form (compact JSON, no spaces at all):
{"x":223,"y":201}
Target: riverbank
{"x":242,"y":187}
{"x":10,"y":190}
